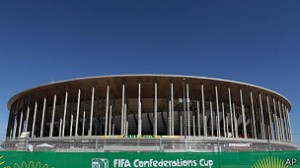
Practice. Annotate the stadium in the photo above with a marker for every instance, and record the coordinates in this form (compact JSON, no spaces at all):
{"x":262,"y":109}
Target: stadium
{"x":169,"y":113}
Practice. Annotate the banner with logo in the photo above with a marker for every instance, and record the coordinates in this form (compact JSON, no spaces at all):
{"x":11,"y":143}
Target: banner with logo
{"x":280,"y":159}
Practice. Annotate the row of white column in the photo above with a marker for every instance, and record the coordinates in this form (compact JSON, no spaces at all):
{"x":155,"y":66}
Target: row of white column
{"x":278,"y":127}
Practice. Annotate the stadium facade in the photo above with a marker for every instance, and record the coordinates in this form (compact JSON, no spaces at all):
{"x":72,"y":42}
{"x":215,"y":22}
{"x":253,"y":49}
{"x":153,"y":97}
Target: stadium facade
{"x":151,"y":112}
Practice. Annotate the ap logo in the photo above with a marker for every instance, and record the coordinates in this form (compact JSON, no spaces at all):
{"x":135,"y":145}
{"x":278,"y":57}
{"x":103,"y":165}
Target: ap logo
{"x":100,"y":163}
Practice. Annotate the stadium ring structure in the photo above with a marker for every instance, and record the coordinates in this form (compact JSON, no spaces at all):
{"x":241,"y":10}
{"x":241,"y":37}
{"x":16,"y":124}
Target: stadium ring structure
{"x":149,"y":113}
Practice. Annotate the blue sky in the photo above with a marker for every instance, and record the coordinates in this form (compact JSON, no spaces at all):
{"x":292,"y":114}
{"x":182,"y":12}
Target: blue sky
{"x":249,"y":41}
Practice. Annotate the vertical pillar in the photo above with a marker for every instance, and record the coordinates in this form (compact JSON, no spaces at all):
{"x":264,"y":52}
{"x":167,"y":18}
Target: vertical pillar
{"x":169,"y":118}
{"x":43,"y":117}
{"x":230,"y":109}
{"x":155,"y":110}
{"x":106,"y":110}
{"x":83,"y":124}
{"x":172,"y":109}
{"x":184,"y":109}
{"x":275,"y":120}
{"x":236,"y":133}
{"x":125,"y":119}
{"x":122,"y":110}
{"x":60,"y":125}
{"x":253,"y":115}
{"x":71,"y":126}
{"x":227,"y":127}
{"x":284,"y":121}
{"x":139,"y":112}
{"x":198,"y":118}
{"x":211,"y":119}
{"x":65,"y":111}
{"x":77,"y":112}
{"x":290,"y":128}
{"x":280,"y":121}
{"x":34,"y":118}
{"x":92,"y":111}
{"x":110,"y":119}
{"x":270,"y":118}
{"x":243,"y":115}
{"x":20,"y":124}
{"x":262,"y":125}
{"x":126,"y":130}
{"x":203,"y":111}
{"x":194,"y":126}
{"x":224,"y":121}
{"x":181,"y":130}
{"x":53,"y":116}
{"x":287,"y":124}
{"x":27,"y":118}
{"x":14,"y":127}
{"x":217,"y":111}
{"x":188,"y":109}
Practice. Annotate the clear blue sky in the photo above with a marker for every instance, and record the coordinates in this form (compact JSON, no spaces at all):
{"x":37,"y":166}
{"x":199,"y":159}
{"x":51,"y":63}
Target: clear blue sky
{"x":251,"y":41}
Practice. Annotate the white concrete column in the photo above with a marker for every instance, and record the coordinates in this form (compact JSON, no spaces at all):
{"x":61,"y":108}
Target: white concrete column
{"x":198,"y":118}
{"x":217,"y":111}
{"x":188,"y":109}
{"x":211,"y":119}
{"x":139,"y":111}
{"x":126,"y":131}
{"x":203,"y":111}
{"x":194,"y":126}
{"x":280,"y":121}
{"x":276,"y":122}
{"x":224,"y":120}
{"x":253,"y":115}
{"x":92,"y":111}
{"x":65,"y":111}
{"x":53,"y":116}
{"x":230,"y":109}
{"x":284,"y":122}
{"x":27,"y":118}
{"x":122,"y":110}
{"x":169,"y":118}
{"x":155,"y":110}
{"x":83,"y":123}
{"x":110,"y":119}
{"x":243,"y":115}
{"x":290,"y":128}
{"x":227,"y":127}
{"x":181,"y":129}
{"x":71,"y":126}
{"x":184,"y":109}
{"x":270,"y":118}
{"x":77,"y":112}
{"x":287,"y":124}
{"x":20,"y":124}
{"x":14,"y":127}
{"x":106,"y":110}
{"x":43,"y":117}
{"x":60,"y":125}
{"x":235,"y":122}
{"x":125,"y":119}
{"x":34,"y":118}
{"x":262,"y":125}
{"x":172,"y":109}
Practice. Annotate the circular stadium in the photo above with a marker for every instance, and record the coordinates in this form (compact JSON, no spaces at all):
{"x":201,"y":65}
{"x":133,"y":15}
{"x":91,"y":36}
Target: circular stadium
{"x":149,"y":113}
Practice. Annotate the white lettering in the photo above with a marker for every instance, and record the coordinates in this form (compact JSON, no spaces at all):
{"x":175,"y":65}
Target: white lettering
{"x":208,"y":163}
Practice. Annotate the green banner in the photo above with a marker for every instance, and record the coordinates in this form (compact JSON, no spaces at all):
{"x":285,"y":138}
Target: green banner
{"x":278,"y":159}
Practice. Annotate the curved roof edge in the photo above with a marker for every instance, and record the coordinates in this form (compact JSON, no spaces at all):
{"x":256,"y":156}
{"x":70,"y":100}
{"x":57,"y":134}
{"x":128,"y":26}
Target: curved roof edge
{"x":150,"y":75}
